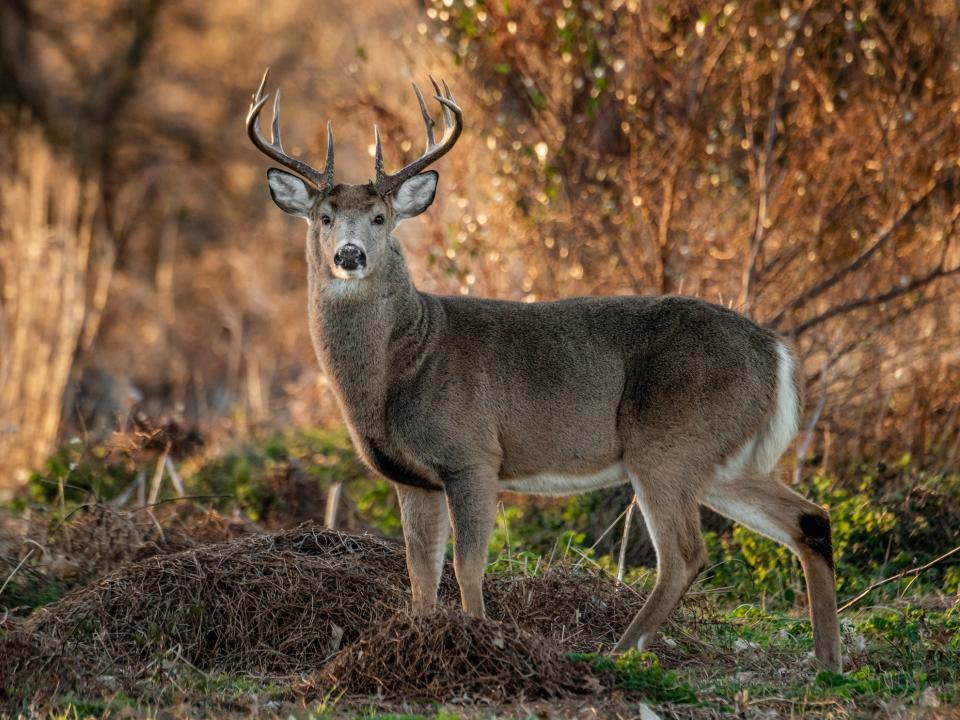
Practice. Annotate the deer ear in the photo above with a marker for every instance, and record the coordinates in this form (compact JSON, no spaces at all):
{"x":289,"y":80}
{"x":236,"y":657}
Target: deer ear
{"x":290,"y":193}
{"x":415,"y":195}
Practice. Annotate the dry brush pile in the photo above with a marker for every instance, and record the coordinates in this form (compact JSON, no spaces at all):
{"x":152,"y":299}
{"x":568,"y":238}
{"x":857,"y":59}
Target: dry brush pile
{"x":453,"y":656}
{"x":309,"y":602}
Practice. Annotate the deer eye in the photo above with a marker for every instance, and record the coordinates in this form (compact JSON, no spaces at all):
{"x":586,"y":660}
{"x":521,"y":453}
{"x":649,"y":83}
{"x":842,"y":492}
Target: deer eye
{"x":378,"y":220}
{"x":326,"y":219}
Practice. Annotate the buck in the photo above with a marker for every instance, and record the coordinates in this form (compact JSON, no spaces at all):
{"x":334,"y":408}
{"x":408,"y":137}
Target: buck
{"x":457,"y":398}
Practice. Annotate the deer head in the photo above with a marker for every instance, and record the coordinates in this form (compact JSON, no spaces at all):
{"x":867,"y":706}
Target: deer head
{"x":350,"y":225}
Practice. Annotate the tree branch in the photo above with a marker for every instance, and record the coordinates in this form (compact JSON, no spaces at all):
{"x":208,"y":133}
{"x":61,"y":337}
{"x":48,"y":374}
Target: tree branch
{"x":879,"y":240}
{"x":871,"y":300}
{"x":758,"y":236}
{"x":898,"y":576}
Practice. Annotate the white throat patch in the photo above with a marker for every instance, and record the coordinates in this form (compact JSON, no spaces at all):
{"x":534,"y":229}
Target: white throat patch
{"x":344,"y":286}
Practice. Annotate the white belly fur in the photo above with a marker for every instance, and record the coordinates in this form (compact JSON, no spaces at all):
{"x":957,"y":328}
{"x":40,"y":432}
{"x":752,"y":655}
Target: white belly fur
{"x":555,"y":484}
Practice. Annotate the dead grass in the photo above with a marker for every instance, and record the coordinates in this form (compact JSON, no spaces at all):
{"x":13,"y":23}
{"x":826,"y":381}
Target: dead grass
{"x":306,"y":613}
{"x":287,"y":603}
{"x":450,"y":656}
{"x":98,"y":539}
{"x":583,"y":611}
{"x":261,"y":604}
{"x":33,"y":666}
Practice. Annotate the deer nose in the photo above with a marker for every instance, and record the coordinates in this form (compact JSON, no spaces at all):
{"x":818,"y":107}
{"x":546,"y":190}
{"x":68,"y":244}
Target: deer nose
{"x":350,"y":257}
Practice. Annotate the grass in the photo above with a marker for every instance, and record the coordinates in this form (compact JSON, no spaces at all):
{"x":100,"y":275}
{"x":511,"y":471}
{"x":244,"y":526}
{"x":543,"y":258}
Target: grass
{"x":740,"y":660}
{"x":744,"y":644}
{"x":641,"y":674}
{"x":892,"y":656}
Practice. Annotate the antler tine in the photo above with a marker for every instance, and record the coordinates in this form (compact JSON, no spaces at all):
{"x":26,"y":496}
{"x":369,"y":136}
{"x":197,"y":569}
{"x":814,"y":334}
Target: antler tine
{"x":328,"y":167}
{"x":449,"y":95}
{"x":263,"y":83}
{"x":274,"y":148}
{"x":453,"y":127}
{"x":447,"y":119}
{"x":378,"y":157}
{"x":275,"y":123}
{"x":447,"y":91}
{"x":427,"y":118}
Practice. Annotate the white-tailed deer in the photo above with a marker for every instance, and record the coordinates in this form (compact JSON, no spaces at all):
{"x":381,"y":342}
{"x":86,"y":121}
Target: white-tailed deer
{"x":455,"y":399}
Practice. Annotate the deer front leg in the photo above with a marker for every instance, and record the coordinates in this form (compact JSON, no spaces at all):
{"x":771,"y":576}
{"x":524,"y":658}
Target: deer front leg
{"x":425,"y":527}
{"x":472,"y":500}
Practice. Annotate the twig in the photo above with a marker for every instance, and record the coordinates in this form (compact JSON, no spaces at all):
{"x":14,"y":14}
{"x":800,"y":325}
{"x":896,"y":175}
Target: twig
{"x":333,"y":501}
{"x":70,"y":514}
{"x":174,"y":476}
{"x":602,"y":569}
{"x":19,"y":565}
{"x":604,"y":533}
{"x":814,"y":419}
{"x":506,"y":532}
{"x":612,"y":525}
{"x":898,"y":576}
{"x":121,"y":499}
{"x":622,"y":562}
{"x":158,"y":476}
{"x":763,"y":172}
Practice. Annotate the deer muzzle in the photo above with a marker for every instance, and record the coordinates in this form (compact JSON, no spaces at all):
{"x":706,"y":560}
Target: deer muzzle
{"x":350,"y":257}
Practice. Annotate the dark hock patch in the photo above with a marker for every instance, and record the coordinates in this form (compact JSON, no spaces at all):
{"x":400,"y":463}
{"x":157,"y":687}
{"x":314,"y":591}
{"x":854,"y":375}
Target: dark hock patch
{"x":816,"y":535}
{"x":396,"y":471}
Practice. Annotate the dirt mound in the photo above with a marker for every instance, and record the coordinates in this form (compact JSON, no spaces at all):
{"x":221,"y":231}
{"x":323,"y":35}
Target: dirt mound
{"x":212,"y":527}
{"x":30,"y":664}
{"x":287,"y":603}
{"x":449,"y":655}
{"x":98,"y":539}
{"x":259,"y":604}
{"x":585,"y":612}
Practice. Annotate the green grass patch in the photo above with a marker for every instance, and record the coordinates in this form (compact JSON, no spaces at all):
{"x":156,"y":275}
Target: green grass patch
{"x":641,"y":673}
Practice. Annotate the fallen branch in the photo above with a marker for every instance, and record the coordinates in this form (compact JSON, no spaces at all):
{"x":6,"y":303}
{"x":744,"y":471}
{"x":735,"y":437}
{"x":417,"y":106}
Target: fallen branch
{"x":898,"y":576}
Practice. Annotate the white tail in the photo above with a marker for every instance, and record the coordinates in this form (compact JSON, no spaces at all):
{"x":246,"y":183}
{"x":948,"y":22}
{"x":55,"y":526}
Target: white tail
{"x":785,"y":420}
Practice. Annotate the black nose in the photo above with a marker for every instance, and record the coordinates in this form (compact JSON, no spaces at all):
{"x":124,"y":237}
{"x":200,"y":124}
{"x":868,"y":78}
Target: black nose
{"x":350,"y":257}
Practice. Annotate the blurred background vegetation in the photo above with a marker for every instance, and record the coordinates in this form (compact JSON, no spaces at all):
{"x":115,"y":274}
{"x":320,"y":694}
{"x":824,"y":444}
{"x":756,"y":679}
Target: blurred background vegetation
{"x":798,"y":161}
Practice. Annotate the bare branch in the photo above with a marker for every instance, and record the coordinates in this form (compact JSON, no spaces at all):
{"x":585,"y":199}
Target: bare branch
{"x":899,"y":576}
{"x":880,"y":239}
{"x":852,"y":305}
{"x":814,"y":419}
{"x":763,"y":174}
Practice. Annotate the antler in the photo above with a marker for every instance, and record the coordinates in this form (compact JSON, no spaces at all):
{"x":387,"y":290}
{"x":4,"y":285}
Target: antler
{"x":452,"y":127}
{"x":274,"y":149}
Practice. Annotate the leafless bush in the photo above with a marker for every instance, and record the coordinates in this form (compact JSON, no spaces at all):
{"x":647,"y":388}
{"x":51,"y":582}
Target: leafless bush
{"x":55,"y":264}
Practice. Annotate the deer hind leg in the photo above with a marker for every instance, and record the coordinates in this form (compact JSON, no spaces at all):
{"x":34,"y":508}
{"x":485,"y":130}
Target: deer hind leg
{"x":672,"y":518}
{"x":765,"y":505}
{"x":472,"y":500}
{"x":423,"y":514}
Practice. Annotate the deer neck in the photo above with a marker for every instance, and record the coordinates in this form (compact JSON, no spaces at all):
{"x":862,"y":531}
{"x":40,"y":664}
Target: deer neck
{"x":365,"y":333}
